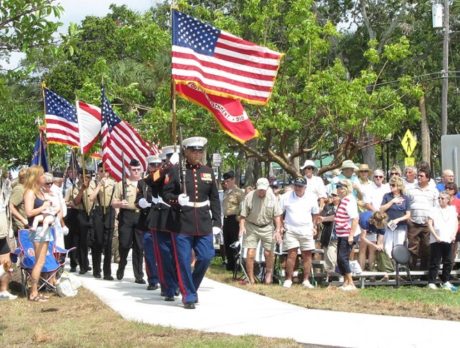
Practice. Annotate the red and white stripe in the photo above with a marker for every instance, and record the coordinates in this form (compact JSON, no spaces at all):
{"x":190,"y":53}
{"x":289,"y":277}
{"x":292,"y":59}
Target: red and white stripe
{"x":238,"y":69}
{"x":89,"y":120}
{"x":61,"y":131}
{"x":342,"y":219}
{"x":122,"y":145}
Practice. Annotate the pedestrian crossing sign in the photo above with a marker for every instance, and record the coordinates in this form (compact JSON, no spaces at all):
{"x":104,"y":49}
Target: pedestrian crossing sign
{"x":409,"y":142}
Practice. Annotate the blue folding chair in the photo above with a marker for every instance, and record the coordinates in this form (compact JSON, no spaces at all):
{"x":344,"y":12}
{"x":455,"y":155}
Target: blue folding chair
{"x":52,"y":268}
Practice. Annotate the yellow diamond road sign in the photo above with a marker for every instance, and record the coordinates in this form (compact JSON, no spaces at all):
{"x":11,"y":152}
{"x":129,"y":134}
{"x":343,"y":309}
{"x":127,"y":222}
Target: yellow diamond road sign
{"x":409,"y":143}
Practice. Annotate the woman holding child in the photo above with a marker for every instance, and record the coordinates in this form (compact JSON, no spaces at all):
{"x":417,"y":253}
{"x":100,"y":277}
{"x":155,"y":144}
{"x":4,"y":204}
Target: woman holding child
{"x":35,"y":205}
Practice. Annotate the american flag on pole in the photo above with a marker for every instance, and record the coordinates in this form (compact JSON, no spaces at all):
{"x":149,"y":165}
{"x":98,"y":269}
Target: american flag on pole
{"x":121,"y":142}
{"x":221,"y":63}
{"x":61,"y":120}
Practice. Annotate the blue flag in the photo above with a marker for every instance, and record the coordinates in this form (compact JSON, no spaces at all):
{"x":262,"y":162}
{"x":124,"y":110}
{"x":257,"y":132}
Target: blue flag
{"x":39,"y":155}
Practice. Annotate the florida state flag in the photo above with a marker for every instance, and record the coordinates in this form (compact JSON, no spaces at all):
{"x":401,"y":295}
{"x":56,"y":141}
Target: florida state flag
{"x":229,"y":113}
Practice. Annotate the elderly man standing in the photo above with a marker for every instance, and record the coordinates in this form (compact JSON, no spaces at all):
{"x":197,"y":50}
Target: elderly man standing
{"x":301,"y":212}
{"x":423,"y":198}
{"x":315,"y":184}
{"x":233,"y":197}
{"x":410,"y":178}
{"x":197,"y":214}
{"x":447,"y":176}
{"x":259,"y":210}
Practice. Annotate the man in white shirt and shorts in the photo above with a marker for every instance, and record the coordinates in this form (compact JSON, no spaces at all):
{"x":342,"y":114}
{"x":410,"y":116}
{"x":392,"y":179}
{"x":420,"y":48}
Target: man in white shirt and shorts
{"x":301,"y":213}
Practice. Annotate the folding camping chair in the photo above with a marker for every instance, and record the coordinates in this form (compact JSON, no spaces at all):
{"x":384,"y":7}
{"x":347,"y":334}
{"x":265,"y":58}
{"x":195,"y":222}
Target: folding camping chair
{"x":401,"y":255}
{"x":240,"y":262}
{"x":52,"y":268}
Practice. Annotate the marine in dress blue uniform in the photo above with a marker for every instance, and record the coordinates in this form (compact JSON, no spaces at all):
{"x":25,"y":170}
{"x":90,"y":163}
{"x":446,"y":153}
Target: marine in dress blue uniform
{"x":196,"y":214}
{"x":161,"y":224}
{"x":144,"y":202}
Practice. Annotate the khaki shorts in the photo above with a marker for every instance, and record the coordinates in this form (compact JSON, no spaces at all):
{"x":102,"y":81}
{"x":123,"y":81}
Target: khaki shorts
{"x":252,"y":237}
{"x":294,"y":240}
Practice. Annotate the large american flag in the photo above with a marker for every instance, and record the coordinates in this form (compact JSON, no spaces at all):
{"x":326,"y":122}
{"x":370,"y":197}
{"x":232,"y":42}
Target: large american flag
{"x":61,"y":120}
{"x":121,"y":142}
{"x":221,"y":63}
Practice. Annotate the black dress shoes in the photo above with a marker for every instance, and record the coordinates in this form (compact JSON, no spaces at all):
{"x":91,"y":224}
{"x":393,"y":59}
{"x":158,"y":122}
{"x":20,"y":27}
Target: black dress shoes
{"x":83,"y":271}
{"x":169,"y":298}
{"x":97,"y":275}
{"x":108,"y":277}
{"x":120,"y":274}
{"x":140,"y":281}
{"x":189,"y":305}
{"x":73,"y":269}
{"x":152,"y":287}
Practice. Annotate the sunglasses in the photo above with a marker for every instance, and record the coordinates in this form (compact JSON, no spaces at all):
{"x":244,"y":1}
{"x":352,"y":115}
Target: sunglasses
{"x":393,"y":185}
{"x":394,"y":173}
{"x":48,"y":183}
{"x":136,"y":169}
{"x":196,"y":150}
{"x":378,"y":176}
{"x":311,"y":168}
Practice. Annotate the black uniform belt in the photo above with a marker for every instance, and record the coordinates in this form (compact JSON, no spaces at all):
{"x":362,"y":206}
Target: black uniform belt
{"x":131,"y":210}
{"x":252,"y":223}
{"x":230,"y":216}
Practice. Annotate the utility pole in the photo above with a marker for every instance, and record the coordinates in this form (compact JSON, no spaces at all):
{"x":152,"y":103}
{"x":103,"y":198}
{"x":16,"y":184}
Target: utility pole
{"x":445,"y":68}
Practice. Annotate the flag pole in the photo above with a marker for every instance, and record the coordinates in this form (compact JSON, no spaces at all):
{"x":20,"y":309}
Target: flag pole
{"x":173,"y":87}
{"x":43,"y":86}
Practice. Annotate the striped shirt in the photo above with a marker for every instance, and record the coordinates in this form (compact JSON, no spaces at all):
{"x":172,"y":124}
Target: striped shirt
{"x":347,"y":211}
{"x":421,"y":202}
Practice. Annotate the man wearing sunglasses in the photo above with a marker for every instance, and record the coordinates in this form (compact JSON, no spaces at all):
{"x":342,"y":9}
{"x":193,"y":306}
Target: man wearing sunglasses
{"x":128,"y":217}
{"x":101,"y":192}
{"x":315,"y":185}
{"x":422,"y":200}
{"x":196,"y":210}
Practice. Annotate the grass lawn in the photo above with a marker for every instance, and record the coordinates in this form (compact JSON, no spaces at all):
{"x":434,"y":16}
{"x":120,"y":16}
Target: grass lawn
{"x":406,"y":301}
{"x":84,"y":321}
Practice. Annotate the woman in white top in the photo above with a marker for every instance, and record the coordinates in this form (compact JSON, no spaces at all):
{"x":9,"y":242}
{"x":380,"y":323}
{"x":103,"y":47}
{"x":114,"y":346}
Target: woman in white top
{"x":443,"y":225}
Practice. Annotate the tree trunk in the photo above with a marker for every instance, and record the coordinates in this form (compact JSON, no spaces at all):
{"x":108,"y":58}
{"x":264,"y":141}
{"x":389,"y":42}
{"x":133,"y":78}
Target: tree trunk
{"x":369,"y":156}
{"x":425,"y":141}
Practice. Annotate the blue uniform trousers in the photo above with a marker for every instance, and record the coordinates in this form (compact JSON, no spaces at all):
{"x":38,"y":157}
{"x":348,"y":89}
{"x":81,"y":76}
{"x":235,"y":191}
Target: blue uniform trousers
{"x":189,"y":281}
{"x":150,"y":258}
{"x":165,"y":262}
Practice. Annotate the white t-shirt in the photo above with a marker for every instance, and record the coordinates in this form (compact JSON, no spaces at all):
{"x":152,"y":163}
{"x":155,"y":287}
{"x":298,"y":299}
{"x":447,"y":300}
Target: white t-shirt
{"x":375,"y":195}
{"x":315,"y":185}
{"x":299,"y":211}
{"x":444,"y":222}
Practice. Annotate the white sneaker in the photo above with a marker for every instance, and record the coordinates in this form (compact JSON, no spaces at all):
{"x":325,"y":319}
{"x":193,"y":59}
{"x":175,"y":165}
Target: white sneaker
{"x":5,"y":295}
{"x":448,"y":286}
{"x":287,"y":283}
{"x":348,"y":287}
{"x":432,"y":286}
{"x":307,"y":284}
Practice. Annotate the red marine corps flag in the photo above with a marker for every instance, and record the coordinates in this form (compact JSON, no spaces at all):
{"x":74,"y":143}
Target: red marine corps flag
{"x":229,"y":113}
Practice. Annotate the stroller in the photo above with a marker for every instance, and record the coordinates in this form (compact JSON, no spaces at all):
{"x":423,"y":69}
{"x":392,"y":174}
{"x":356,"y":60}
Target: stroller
{"x":52,"y":268}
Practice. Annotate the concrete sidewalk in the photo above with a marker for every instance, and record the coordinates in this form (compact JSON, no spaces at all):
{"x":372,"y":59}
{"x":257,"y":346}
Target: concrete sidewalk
{"x":247,"y":313}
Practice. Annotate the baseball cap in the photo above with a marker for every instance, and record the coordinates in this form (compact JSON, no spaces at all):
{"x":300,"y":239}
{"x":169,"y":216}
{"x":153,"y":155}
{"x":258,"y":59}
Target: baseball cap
{"x":262,"y":184}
